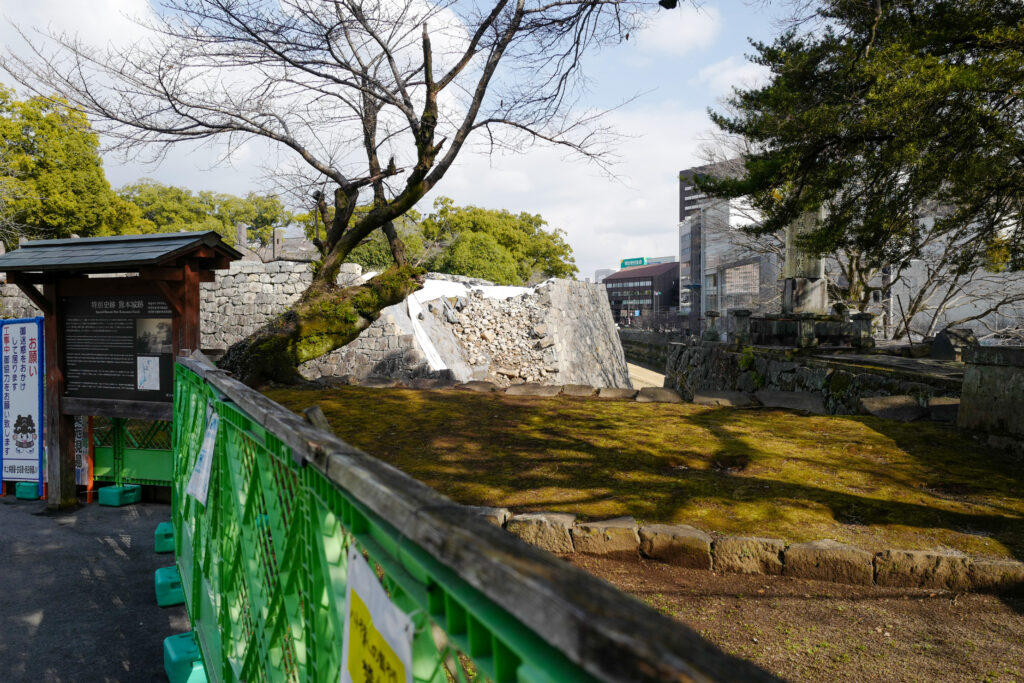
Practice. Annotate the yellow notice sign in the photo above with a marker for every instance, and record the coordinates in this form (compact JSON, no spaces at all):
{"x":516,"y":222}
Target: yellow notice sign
{"x":378,"y":636}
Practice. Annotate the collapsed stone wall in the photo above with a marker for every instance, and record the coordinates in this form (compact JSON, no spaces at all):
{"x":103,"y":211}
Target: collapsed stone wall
{"x":562,"y":332}
{"x":714,"y":366}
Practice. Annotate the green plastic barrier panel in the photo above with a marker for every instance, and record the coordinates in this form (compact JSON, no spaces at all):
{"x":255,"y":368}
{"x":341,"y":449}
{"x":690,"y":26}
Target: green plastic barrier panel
{"x":130,"y":451}
{"x":304,"y":559}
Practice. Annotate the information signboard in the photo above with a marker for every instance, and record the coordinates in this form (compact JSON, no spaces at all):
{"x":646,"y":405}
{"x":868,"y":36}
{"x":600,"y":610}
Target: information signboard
{"x":118,"y":347}
{"x":21,"y":379}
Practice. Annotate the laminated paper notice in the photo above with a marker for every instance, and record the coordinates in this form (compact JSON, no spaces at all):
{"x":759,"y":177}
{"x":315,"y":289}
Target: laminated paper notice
{"x":378,"y":636}
{"x":199,"y":483}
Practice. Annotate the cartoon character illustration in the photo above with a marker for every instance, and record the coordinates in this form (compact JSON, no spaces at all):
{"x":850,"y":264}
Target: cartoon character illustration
{"x":24,"y":432}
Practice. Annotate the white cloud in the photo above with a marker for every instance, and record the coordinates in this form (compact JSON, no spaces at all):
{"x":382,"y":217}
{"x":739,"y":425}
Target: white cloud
{"x":733,"y":72}
{"x":682,"y":30}
{"x":605,"y":220}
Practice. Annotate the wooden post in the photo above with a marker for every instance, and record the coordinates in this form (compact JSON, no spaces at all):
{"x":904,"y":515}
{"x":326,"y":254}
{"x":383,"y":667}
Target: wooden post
{"x":60,"y":428}
{"x":190,"y":307}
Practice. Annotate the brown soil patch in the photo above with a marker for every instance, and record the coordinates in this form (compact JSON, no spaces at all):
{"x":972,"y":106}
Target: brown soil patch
{"x":814,"y":631}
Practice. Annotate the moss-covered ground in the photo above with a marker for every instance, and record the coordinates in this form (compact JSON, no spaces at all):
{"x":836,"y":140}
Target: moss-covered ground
{"x":861,"y":480}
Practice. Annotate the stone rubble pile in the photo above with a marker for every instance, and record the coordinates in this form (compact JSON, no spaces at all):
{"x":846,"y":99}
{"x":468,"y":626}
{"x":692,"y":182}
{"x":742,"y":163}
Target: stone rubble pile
{"x":508,"y":335}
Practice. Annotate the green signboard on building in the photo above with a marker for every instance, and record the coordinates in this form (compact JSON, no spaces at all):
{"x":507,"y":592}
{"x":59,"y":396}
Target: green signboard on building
{"x":629,"y":262}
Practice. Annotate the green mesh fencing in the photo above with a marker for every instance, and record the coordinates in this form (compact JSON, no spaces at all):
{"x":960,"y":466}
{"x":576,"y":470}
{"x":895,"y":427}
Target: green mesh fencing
{"x":263,"y":565}
{"x":131,"y":451}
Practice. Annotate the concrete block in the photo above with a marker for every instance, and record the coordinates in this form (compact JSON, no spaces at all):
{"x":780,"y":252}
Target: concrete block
{"x":546,"y":530}
{"x":748,"y":555}
{"x":902,"y":408}
{"x":496,"y":516}
{"x":996,"y":576}
{"x":792,"y":400}
{"x":611,"y":538}
{"x":922,"y":569}
{"x":379,"y":382}
{"x":829,"y":560}
{"x":478,"y":386}
{"x":736,"y":399}
{"x":682,"y":545}
{"x":534,"y":389}
{"x":584,"y":390}
{"x":658,"y":395}
{"x":615,"y":392}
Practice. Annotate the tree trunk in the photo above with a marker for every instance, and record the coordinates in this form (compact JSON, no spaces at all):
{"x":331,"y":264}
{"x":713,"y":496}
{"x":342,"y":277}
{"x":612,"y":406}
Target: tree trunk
{"x":324,"y":319}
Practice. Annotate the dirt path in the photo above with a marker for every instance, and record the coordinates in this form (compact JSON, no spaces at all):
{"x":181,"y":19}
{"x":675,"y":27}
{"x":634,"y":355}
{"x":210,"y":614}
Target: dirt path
{"x":642,"y":377}
{"x":816,"y":631}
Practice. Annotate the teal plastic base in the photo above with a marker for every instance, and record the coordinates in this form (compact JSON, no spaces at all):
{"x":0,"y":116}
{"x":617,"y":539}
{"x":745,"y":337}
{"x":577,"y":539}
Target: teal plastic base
{"x":163,"y":538}
{"x":198,"y":674}
{"x":168,"y":587}
{"x":180,"y":654}
{"x":26,"y":490}
{"x":117,"y":496}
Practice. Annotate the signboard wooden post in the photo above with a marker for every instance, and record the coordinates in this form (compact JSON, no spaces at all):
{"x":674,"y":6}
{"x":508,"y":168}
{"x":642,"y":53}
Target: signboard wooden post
{"x":117,"y":311}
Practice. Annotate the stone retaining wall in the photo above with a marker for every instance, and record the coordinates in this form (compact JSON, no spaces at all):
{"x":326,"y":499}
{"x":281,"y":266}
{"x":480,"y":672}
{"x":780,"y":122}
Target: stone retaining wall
{"x":825,"y":560}
{"x":840,"y":387}
{"x":993,"y":390}
{"x":237,"y":303}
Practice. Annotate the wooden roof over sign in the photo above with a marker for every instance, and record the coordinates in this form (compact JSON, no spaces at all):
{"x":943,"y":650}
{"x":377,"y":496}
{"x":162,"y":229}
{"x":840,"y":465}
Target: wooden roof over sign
{"x":118,"y":253}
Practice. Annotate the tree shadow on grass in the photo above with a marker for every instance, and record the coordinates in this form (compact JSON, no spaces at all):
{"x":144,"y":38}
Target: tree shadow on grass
{"x":660,"y":463}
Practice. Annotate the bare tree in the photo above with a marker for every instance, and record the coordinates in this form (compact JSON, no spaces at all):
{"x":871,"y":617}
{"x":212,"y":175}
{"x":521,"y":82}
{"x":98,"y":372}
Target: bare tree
{"x":376,"y":97}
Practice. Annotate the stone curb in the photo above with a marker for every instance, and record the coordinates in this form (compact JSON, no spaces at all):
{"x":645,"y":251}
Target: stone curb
{"x":824,"y":560}
{"x":645,"y":395}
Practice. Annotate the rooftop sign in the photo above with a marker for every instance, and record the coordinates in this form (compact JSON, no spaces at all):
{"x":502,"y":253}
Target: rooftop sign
{"x":630,"y":262}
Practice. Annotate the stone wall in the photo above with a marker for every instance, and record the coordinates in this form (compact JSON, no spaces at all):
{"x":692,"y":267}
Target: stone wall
{"x":993,"y":390}
{"x":560,"y":333}
{"x":647,"y":348}
{"x":712,"y":366}
{"x":238,"y":302}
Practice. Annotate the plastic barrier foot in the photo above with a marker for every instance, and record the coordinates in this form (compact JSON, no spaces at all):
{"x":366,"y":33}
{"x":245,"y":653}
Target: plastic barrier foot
{"x":163,"y":538}
{"x":116,"y":496}
{"x":181,"y":657}
{"x":26,"y":490}
{"x":168,"y":587}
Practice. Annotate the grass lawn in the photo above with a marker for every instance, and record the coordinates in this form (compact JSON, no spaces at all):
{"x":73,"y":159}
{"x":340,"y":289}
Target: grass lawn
{"x":873,"y":483}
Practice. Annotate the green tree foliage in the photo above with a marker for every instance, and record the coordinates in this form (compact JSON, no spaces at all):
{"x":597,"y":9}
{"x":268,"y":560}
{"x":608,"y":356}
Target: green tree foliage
{"x":891,"y":109}
{"x":51,"y":178}
{"x":479,"y":254}
{"x":165,"y":208}
{"x":536,"y":253}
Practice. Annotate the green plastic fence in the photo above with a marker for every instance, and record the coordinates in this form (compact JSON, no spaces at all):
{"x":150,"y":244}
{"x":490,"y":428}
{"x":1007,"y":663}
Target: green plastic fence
{"x":130,"y":451}
{"x":263,"y":566}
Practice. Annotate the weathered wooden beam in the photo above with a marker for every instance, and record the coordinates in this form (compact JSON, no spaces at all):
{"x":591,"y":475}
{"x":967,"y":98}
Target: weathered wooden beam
{"x":104,"y":407}
{"x":162,"y":273}
{"x":171,"y":296}
{"x":33,"y":294}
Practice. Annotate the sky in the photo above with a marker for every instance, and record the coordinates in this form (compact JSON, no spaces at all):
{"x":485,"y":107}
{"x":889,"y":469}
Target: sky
{"x":685,"y":61}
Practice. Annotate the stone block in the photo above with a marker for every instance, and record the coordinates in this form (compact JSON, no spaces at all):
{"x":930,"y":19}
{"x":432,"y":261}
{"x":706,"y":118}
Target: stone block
{"x":584,"y":390}
{"x":902,"y":408}
{"x":681,"y":545}
{"x":829,"y":560}
{"x":615,"y":392}
{"x":658,"y":395}
{"x":496,"y":516}
{"x":611,"y":538}
{"x":736,"y":399}
{"x":430,"y":383}
{"x":922,"y":569}
{"x":792,"y":400}
{"x":478,"y":386}
{"x":995,"y":576}
{"x":533,"y":389}
{"x":379,"y":382}
{"x":943,"y":408}
{"x":748,"y":555}
{"x":546,"y":530}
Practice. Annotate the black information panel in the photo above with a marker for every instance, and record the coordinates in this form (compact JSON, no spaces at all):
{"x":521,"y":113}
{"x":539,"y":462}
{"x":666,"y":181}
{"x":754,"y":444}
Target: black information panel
{"x":118,"y":347}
